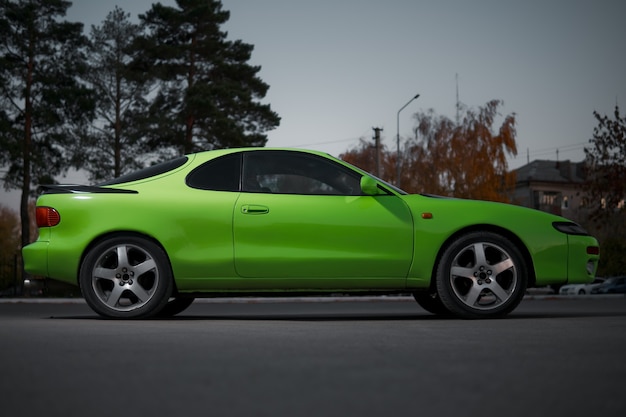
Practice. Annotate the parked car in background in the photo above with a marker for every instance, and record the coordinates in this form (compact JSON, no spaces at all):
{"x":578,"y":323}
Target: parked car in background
{"x":613,"y":285}
{"x":581,"y":289}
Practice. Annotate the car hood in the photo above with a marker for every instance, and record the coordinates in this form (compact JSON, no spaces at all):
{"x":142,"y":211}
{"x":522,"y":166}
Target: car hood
{"x":456,"y":210}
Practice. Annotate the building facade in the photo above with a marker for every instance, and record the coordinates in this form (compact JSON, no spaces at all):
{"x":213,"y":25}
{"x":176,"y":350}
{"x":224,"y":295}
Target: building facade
{"x":551,"y":186}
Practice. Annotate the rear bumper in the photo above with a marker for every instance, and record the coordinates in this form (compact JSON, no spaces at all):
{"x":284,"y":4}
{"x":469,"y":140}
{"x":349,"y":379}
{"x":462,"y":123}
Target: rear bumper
{"x":36,"y":258}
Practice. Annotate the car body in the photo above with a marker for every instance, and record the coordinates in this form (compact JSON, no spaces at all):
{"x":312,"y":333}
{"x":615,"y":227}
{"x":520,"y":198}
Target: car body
{"x":581,"y":289}
{"x":258,"y":221}
{"x":613,"y":285}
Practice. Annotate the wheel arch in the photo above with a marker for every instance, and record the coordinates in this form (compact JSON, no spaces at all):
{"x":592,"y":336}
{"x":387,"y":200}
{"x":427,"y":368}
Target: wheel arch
{"x":487,"y":228}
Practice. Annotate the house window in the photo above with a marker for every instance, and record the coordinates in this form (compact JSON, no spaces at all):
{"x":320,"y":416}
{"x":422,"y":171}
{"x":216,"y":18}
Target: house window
{"x":549,"y":201}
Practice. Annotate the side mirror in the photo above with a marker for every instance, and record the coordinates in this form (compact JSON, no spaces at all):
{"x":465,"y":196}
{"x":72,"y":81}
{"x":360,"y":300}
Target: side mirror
{"x":369,"y":186}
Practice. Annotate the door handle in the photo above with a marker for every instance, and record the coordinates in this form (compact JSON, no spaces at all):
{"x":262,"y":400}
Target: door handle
{"x":254,"y":209}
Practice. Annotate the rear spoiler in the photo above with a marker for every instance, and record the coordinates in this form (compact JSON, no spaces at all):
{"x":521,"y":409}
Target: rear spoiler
{"x":80,"y":189}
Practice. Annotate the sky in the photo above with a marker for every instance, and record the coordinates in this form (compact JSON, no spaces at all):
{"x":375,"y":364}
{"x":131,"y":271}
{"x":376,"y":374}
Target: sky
{"x":338,"y":68}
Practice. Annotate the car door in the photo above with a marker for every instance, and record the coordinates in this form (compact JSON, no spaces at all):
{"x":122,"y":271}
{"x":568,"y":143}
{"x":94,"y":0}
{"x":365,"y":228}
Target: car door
{"x":303,"y":217}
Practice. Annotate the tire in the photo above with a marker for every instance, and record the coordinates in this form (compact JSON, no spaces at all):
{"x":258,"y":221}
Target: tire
{"x":126,"y":277}
{"x":431,"y":302}
{"x":581,"y":292}
{"x":481,"y":275}
{"x":174,"y":306}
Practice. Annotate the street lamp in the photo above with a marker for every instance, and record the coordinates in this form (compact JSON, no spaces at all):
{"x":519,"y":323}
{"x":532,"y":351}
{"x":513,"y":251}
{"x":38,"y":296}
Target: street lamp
{"x":398,"y":140}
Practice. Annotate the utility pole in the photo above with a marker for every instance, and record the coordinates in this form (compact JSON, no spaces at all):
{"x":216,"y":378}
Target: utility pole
{"x":377,"y":131}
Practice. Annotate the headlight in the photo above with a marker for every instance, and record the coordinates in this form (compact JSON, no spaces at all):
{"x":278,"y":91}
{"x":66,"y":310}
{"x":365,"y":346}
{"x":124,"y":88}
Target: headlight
{"x":570,"y":228}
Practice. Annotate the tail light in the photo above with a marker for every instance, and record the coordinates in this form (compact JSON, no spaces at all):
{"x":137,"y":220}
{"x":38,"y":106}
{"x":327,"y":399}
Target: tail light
{"x":47,"y":217}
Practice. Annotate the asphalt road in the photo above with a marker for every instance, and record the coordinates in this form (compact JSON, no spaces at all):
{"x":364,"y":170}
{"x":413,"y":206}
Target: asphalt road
{"x":551,"y":357}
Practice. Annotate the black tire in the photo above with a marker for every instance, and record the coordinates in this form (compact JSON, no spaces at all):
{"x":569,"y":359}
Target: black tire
{"x":126,"y":277}
{"x":174,"y":306}
{"x":431,"y":302}
{"x":581,"y":292}
{"x":481,"y":275}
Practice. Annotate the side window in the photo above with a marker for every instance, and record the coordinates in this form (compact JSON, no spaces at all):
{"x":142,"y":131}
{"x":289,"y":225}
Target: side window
{"x":290,"y":172}
{"x":220,"y":174}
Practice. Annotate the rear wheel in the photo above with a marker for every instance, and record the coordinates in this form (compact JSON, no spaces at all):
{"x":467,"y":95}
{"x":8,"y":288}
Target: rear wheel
{"x":126,"y":277}
{"x":481,"y":274}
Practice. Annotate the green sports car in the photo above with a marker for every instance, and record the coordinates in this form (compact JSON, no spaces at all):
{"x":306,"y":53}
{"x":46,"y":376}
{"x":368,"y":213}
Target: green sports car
{"x":261,"y":221}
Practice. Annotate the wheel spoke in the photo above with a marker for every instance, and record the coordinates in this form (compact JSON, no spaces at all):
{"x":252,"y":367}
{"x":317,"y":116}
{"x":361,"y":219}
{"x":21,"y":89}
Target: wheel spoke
{"x":472,"y":295}
{"x":502,"y":266}
{"x":479,"y":254}
{"x":114,"y":296}
{"x":144,"y":267}
{"x":122,"y":256}
{"x":498,"y":291}
{"x":459,"y":271}
{"x":104,"y":273}
{"x":140,"y":292}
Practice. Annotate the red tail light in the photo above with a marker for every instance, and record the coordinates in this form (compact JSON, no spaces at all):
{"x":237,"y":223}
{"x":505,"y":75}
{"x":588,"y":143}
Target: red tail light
{"x":47,"y":217}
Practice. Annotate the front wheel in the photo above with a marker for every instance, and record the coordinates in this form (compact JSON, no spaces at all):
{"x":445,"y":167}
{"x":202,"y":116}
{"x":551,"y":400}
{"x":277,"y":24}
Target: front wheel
{"x":126,"y":277}
{"x":481,"y":275}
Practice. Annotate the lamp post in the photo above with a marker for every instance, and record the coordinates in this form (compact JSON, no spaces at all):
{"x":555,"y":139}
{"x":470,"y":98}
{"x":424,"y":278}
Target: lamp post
{"x":398,"y":140}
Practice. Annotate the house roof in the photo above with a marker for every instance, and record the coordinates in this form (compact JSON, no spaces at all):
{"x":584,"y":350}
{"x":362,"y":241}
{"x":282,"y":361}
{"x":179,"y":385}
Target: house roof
{"x":551,"y":171}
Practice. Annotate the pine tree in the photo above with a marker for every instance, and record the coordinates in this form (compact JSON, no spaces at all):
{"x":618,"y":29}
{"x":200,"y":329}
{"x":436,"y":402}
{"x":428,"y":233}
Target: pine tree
{"x":209,"y":95}
{"x":42,"y":105}
{"x":114,"y":145}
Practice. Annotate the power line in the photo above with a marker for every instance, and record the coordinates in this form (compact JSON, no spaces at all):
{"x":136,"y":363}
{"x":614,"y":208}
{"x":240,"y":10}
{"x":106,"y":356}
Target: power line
{"x":323,"y":143}
{"x":327,"y":142}
{"x":530,"y":153}
{"x":555,"y":151}
{"x":574,"y":146}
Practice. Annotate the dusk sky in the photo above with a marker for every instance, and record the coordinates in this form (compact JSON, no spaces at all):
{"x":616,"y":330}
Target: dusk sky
{"x":337,"y":68}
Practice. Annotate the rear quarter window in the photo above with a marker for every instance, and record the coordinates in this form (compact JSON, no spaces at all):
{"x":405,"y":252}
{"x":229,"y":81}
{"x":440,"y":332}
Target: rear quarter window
{"x":220,"y":174}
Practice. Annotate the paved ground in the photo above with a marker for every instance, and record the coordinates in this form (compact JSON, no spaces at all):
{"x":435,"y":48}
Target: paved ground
{"x":382,"y":357}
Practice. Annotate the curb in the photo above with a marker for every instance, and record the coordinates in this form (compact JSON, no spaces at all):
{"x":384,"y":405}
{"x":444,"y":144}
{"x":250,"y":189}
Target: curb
{"x":330,"y":299}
